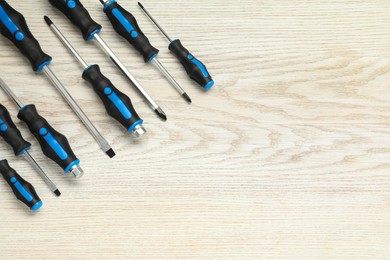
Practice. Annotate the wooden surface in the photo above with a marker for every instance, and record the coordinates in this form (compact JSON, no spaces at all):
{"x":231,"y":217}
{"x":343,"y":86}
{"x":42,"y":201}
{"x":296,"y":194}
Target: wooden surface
{"x":286,"y":158}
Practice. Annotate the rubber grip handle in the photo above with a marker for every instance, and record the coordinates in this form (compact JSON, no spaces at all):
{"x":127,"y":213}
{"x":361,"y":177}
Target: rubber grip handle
{"x":126,"y":25}
{"x":14,"y":27}
{"x":117,"y":104}
{"x":23,"y":190}
{"x":11,"y":134}
{"x":194,"y":68}
{"x":54,"y":145}
{"x":79,"y":16}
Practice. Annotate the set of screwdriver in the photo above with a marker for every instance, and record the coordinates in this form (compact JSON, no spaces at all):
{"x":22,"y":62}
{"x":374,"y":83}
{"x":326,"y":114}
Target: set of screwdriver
{"x":117,"y":104}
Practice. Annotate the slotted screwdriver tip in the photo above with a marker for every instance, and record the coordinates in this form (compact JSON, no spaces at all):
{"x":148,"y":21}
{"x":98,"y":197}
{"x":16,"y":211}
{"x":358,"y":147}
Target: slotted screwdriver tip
{"x":140,"y":5}
{"x":161,"y":114}
{"x":57,"y":193}
{"x":110,"y":153}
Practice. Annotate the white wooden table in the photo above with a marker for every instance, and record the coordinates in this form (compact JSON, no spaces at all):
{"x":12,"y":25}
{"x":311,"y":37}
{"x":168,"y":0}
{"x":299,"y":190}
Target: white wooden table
{"x":288,"y":157}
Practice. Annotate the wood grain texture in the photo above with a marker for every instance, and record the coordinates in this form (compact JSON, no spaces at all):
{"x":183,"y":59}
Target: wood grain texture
{"x":286,"y":158}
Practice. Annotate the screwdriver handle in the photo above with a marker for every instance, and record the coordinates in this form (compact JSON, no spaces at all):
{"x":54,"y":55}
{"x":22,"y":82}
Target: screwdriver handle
{"x":14,"y":27}
{"x":126,"y":25}
{"x":53,"y":144}
{"x":79,"y":16}
{"x":194,"y":68}
{"x":23,"y":190}
{"x":117,"y":104}
{"x":11,"y":134}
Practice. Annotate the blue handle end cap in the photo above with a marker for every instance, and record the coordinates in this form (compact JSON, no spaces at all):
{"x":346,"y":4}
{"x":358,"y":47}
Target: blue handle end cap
{"x":209,"y":85}
{"x":131,"y":128}
{"x":108,"y":4}
{"x":43,"y":64}
{"x":96,"y":31}
{"x":69,"y":167}
{"x":37,"y":206}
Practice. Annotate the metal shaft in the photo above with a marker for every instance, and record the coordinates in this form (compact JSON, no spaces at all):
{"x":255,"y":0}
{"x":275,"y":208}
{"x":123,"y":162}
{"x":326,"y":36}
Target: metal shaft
{"x":155,"y":22}
{"x":62,"y":38}
{"x":11,"y":94}
{"x":41,"y":173}
{"x":124,"y":70}
{"x":169,"y":77}
{"x":72,"y":103}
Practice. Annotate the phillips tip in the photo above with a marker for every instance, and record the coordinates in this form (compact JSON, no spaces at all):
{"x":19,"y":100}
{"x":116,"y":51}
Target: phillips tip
{"x":141,"y":5}
{"x":47,"y":20}
{"x":187,"y":98}
{"x":110,"y":153}
{"x":57,"y":193}
{"x":161,"y":113}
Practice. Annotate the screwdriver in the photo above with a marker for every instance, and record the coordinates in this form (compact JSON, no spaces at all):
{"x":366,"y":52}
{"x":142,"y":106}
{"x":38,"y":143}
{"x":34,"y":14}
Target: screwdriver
{"x":195,"y":69}
{"x":126,"y":25}
{"x":117,"y":104}
{"x":14,"y":27}
{"x":23,"y":190}
{"x":79,"y":16}
{"x":14,"y":138}
{"x":53,"y":144}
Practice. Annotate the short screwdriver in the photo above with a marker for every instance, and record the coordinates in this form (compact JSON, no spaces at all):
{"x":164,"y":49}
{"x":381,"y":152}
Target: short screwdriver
{"x":195,"y":69}
{"x":117,"y":104}
{"x":53,"y":144}
{"x":126,"y":25}
{"x":23,"y":190}
{"x":14,"y":27}
{"x":14,"y":138}
{"x":79,"y":16}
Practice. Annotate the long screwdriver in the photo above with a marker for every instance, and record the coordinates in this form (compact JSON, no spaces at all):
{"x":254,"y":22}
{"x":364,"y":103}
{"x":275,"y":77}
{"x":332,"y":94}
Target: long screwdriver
{"x":53,"y":144}
{"x":22,"y":189}
{"x":117,"y":104}
{"x":14,"y":27}
{"x":126,"y":25}
{"x":195,"y":69}
{"x":14,"y":138}
{"x":79,"y":16}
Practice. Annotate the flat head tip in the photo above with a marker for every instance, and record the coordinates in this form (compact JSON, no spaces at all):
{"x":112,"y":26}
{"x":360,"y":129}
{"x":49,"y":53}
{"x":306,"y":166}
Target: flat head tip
{"x":48,"y":20}
{"x":57,"y":193}
{"x":110,"y":153}
{"x":140,"y":5}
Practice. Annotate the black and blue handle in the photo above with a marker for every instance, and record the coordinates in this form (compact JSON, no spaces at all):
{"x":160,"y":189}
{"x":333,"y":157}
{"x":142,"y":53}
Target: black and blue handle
{"x":195,"y":69}
{"x":11,"y":133}
{"x":125,"y":24}
{"x":117,"y":104}
{"x":14,"y":27}
{"x":23,"y":190}
{"x":79,"y":16}
{"x":53,"y":144}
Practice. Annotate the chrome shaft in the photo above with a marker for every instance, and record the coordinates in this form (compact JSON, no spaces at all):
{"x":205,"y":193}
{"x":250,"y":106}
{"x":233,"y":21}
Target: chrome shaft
{"x":39,"y":170}
{"x":167,"y":75}
{"x":62,"y":38}
{"x":155,"y":22}
{"x":11,"y":94}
